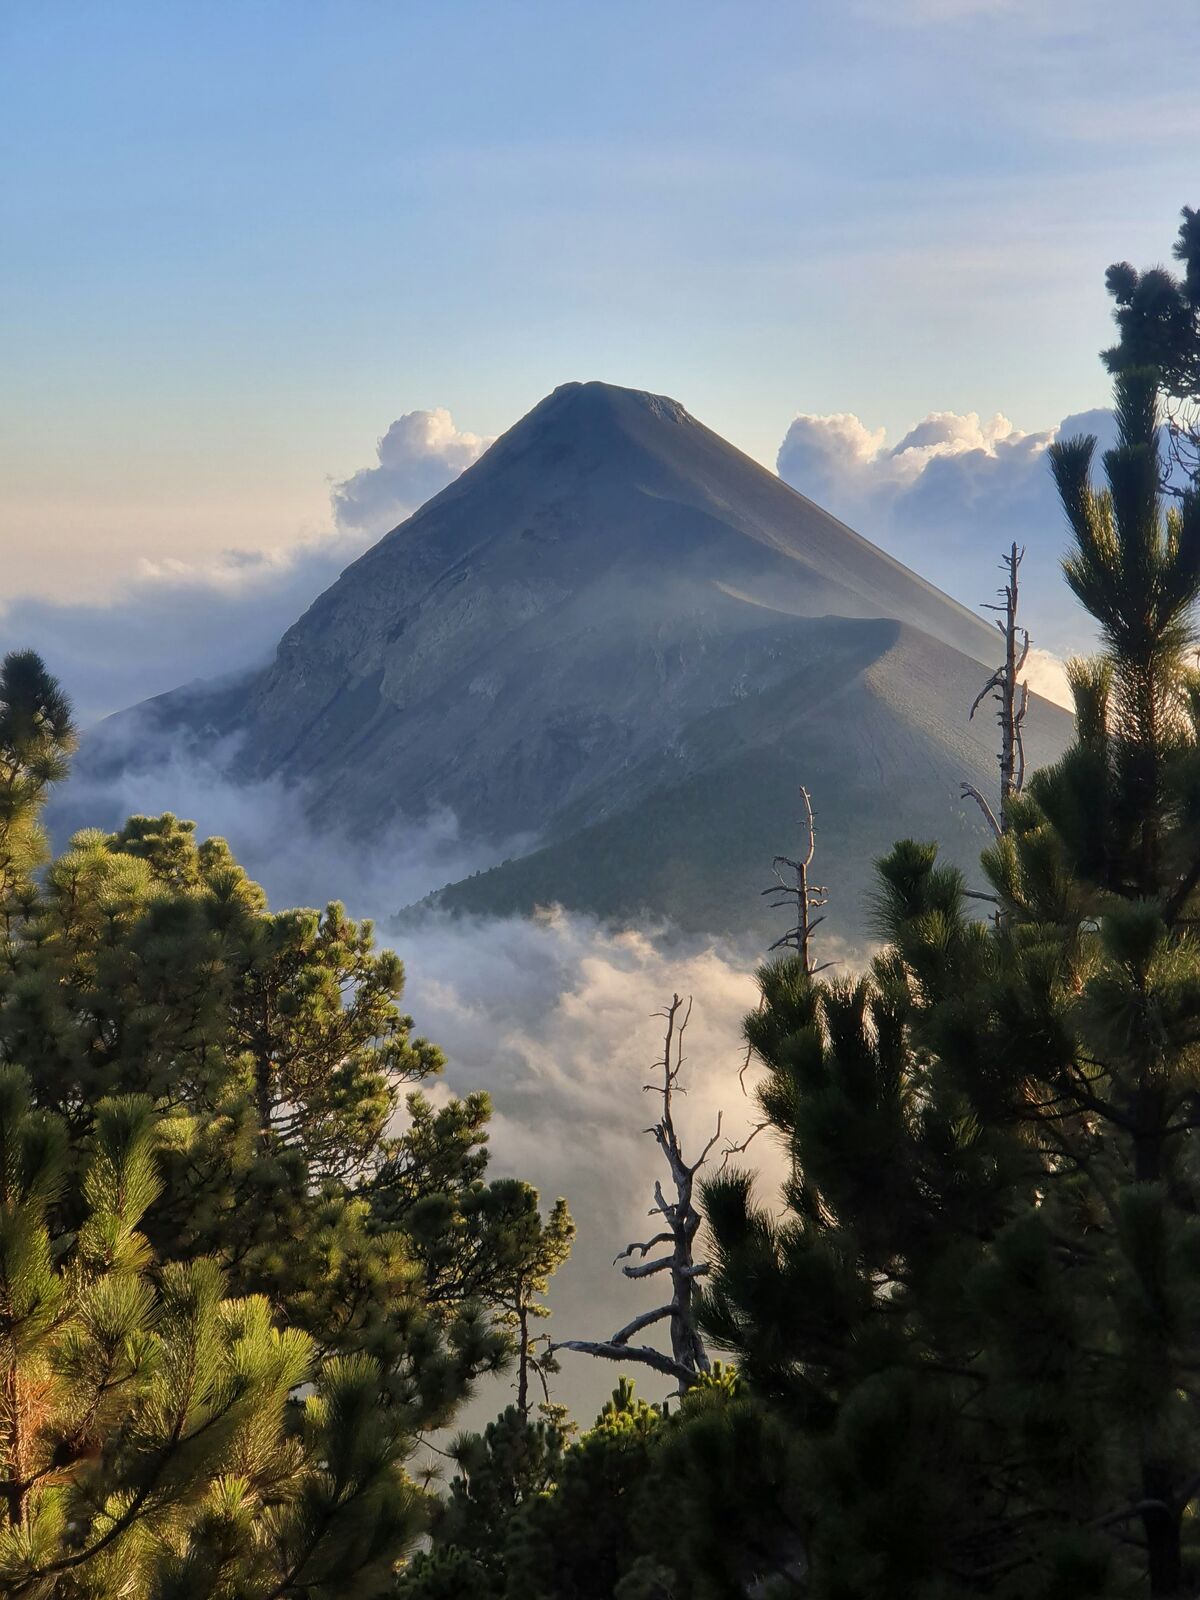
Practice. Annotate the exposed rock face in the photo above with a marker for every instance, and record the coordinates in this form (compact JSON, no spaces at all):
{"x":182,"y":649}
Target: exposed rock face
{"x":618,"y":633}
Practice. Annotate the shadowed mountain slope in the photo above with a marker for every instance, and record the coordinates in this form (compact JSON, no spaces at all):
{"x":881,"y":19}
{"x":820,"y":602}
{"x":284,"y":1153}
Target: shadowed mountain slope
{"x":618,"y":633}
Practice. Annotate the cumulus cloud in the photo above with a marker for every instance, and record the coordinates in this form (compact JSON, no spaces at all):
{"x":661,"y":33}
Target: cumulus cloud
{"x":948,"y":498}
{"x":419,"y":455}
{"x":1046,"y":674}
{"x":179,"y":620}
{"x":839,"y":455}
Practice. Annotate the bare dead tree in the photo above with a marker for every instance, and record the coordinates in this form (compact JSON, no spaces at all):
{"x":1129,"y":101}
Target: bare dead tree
{"x":677,"y":1238}
{"x":796,"y":891}
{"x":1011,"y":697}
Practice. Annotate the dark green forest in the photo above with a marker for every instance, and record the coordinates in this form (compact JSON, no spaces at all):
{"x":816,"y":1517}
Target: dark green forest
{"x":250,"y":1270}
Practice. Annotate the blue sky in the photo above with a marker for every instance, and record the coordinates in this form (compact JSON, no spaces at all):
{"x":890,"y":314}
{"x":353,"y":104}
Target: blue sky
{"x":242,"y":238}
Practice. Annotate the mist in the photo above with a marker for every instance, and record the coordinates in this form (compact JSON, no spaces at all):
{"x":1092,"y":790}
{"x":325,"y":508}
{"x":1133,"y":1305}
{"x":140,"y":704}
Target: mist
{"x":555,"y":1015}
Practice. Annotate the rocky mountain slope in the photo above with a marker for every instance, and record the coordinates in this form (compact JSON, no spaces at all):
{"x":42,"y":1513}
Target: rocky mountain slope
{"x":618,"y":635}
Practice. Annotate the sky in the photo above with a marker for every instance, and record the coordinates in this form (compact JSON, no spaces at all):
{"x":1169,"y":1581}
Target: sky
{"x":240,"y":241}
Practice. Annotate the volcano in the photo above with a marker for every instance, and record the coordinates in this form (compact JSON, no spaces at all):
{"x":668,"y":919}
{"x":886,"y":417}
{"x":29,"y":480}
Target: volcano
{"x":621,"y":640}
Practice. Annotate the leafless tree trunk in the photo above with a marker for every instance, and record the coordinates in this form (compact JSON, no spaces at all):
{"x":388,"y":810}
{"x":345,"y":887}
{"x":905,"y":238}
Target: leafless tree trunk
{"x":800,"y":893}
{"x":805,"y":898}
{"x":677,"y":1238}
{"x":1011,"y":697}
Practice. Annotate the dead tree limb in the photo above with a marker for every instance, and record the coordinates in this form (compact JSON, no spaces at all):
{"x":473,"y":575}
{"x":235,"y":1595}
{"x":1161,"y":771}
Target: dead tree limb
{"x":644,"y":1354}
{"x":688,"y":1357}
{"x":740,"y":1149}
{"x":1011,"y":696}
{"x":804,"y":898}
{"x":798,"y":892}
{"x":970,"y":791}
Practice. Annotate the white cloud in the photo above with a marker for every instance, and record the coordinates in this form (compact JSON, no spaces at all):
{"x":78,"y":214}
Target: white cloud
{"x":176,"y":621}
{"x":179,"y":620}
{"x":418,"y":456}
{"x":1046,"y":674}
{"x":842,"y":451}
{"x":124,"y":770}
{"x":948,"y":498}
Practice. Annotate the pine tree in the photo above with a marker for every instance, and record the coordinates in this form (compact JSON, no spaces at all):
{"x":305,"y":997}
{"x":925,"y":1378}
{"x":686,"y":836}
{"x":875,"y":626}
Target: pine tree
{"x":639,"y":1507}
{"x":36,"y":739}
{"x":149,"y":1444}
{"x":523,"y":1250}
{"x":150,"y":964}
{"x":513,"y":1461}
{"x":581,"y":1540}
{"x":474,"y":1239}
{"x":977,"y":1314}
{"x":269,"y":1052}
{"x":1158,"y":318}
{"x":530,"y":1517}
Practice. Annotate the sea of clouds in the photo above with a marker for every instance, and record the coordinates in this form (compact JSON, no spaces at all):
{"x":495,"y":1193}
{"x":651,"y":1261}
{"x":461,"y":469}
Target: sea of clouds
{"x":554,"y":1015}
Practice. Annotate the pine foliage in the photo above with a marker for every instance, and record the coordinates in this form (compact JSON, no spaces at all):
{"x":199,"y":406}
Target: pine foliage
{"x":244,"y":1265}
{"x":149,"y":1438}
{"x":976,"y":1314}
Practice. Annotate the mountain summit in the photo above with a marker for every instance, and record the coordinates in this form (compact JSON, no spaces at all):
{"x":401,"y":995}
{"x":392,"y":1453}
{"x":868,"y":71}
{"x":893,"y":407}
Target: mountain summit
{"x":617,"y":633}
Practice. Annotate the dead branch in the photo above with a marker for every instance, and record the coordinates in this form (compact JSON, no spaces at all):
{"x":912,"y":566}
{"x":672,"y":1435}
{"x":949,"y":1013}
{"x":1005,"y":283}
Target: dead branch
{"x":645,"y":1354}
{"x":688,"y":1357}
{"x":797,"y":892}
{"x":969,"y":789}
{"x":1010,"y":694}
{"x":740,"y":1149}
{"x":650,"y":1244}
{"x":646,"y":1320}
{"x":992,"y":683}
{"x":647,"y":1269}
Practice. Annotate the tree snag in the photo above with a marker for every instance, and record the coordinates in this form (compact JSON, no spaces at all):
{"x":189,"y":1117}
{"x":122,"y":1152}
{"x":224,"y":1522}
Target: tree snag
{"x":805,"y":896}
{"x":681,"y":1222}
{"x":1011,"y":697}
